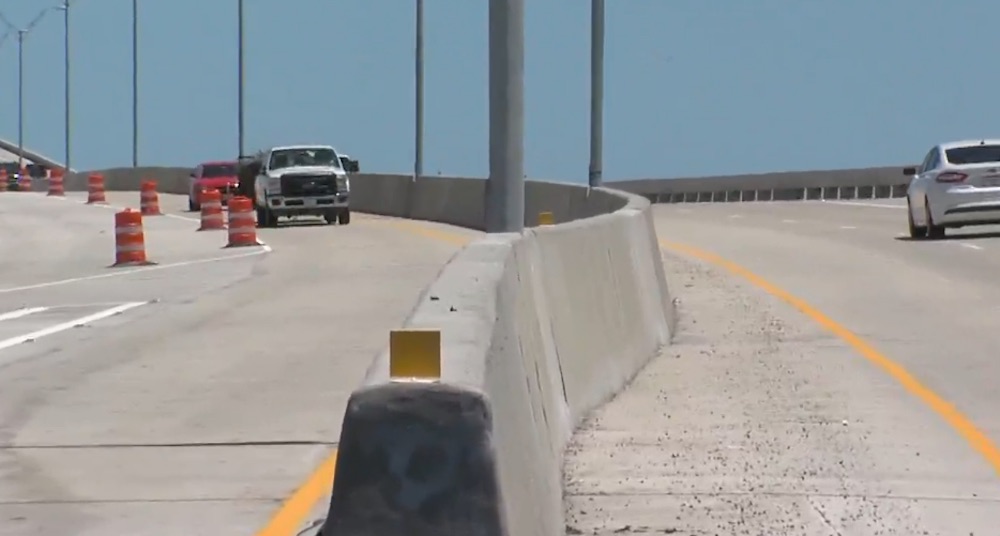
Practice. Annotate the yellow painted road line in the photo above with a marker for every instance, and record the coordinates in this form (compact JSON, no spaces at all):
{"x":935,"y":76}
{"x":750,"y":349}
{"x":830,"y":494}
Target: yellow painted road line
{"x":415,"y":227}
{"x":978,"y":440}
{"x":289,"y":519}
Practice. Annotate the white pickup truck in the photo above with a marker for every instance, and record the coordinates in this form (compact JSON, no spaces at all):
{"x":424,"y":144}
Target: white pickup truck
{"x":300,"y":180}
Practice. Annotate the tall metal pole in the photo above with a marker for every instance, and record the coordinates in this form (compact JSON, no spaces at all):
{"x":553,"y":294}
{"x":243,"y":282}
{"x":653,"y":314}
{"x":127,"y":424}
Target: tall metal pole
{"x":66,"y":84}
{"x":596,"y":92}
{"x":241,"y":78}
{"x":418,"y":142}
{"x":135,"y":83}
{"x":505,"y":186}
{"x":20,"y":98}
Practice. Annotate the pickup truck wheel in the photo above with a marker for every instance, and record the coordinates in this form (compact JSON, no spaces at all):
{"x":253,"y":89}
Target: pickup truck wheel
{"x":344,"y":216}
{"x":264,"y":218}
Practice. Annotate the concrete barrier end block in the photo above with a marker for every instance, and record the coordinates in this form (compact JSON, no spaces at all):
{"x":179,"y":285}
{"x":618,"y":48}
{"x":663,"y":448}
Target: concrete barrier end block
{"x":416,"y":459}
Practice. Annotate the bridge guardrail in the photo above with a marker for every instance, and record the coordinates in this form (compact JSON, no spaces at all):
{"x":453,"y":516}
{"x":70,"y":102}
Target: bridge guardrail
{"x":861,"y":183}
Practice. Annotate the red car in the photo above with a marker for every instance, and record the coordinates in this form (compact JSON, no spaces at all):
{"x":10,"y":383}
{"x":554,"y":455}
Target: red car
{"x":221,"y":176}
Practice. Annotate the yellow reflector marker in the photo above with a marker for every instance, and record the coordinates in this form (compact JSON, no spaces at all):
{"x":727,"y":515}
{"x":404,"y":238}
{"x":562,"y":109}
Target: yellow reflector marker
{"x":546,"y":218}
{"x":415,"y":354}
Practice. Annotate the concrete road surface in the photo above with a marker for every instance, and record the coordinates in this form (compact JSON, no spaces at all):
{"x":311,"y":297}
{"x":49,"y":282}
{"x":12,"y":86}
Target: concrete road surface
{"x":829,"y":378}
{"x":191,"y":397}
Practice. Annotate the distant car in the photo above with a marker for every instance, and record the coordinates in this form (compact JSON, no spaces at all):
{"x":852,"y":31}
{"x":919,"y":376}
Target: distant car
{"x":221,"y":176}
{"x":11,"y":173}
{"x":14,"y":174}
{"x":957,"y":185}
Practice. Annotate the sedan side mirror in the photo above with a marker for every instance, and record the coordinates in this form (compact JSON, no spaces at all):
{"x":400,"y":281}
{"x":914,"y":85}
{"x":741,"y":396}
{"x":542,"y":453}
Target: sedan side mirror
{"x":909,"y":171}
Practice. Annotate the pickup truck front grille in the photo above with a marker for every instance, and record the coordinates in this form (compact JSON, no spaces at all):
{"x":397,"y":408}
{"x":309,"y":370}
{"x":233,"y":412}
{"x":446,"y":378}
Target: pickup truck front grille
{"x":308,"y":185}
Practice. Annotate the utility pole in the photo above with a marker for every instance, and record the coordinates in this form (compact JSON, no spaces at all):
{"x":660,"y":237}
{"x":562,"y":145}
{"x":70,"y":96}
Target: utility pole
{"x":504,"y":201}
{"x":596,"y":93}
{"x":418,"y":141}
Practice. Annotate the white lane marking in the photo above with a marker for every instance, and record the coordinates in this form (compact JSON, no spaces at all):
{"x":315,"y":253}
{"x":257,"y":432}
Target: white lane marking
{"x":167,"y":214}
{"x":185,"y":218}
{"x":82,"y":321}
{"x":116,"y":207}
{"x":787,"y":221}
{"x":857,"y":204}
{"x":21,"y":313}
{"x":970,"y":246}
{"x":848,"y":227}
{"x":735,"y":216}
{"x":264,"y":249}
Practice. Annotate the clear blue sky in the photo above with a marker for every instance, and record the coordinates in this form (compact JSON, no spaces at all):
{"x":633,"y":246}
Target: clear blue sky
{"x":694,"y":87}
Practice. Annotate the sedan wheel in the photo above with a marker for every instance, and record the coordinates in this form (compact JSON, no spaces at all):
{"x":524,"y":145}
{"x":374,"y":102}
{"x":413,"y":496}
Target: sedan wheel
{"x":933,"y":231}
{"x":915,"y":231}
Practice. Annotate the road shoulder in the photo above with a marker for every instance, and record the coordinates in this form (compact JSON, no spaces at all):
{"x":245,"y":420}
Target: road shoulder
{"x":758,"y":421}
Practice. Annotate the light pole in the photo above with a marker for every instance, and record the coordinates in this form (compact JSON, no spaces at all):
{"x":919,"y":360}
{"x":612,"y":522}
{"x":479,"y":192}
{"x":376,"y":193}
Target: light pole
{"x":22,"y":33}
{"x":596,"y":92}
{"x":418,"y":142}
{"x":67,"y":158}
{"x":240,"y":78}
{"x":135,"y":83}
{"x":505,"y":186}
{"x":20,"y":98}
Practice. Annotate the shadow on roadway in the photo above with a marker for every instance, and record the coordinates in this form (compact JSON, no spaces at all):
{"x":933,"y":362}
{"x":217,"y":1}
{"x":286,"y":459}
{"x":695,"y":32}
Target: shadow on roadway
{"x":952,"y":236}
{"x":298,"y":222}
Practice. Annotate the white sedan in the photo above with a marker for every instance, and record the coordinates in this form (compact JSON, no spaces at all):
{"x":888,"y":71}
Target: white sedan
{"x":958,"y":184}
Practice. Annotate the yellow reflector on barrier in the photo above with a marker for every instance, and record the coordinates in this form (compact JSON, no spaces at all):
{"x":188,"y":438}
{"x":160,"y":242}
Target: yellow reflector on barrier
{"x":546,"y":218}
{"x":415,"y":354}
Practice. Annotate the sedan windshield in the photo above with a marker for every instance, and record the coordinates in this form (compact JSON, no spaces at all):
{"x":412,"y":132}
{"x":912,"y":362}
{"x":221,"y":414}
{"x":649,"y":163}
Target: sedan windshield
{"x":310,"y":156}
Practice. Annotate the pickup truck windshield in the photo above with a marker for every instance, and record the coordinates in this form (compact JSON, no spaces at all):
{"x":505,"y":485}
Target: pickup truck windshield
{"x":313,"y":156}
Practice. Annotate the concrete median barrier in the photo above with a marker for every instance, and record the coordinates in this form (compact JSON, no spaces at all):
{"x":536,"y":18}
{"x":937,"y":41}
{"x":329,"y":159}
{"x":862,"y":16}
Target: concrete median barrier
{"x":536,"y":329}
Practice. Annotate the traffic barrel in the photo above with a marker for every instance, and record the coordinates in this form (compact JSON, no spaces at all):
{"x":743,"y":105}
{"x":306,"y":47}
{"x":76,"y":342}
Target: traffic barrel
{"x":4,"y":179}
{"x":56,"y":186}
{"x":242,"y":224}
{"x":149,"y":200}
{"x":130,"y":241}
{"x":24,"y":182}
{"x":95,"y":189}
{"x":211,"y":210}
